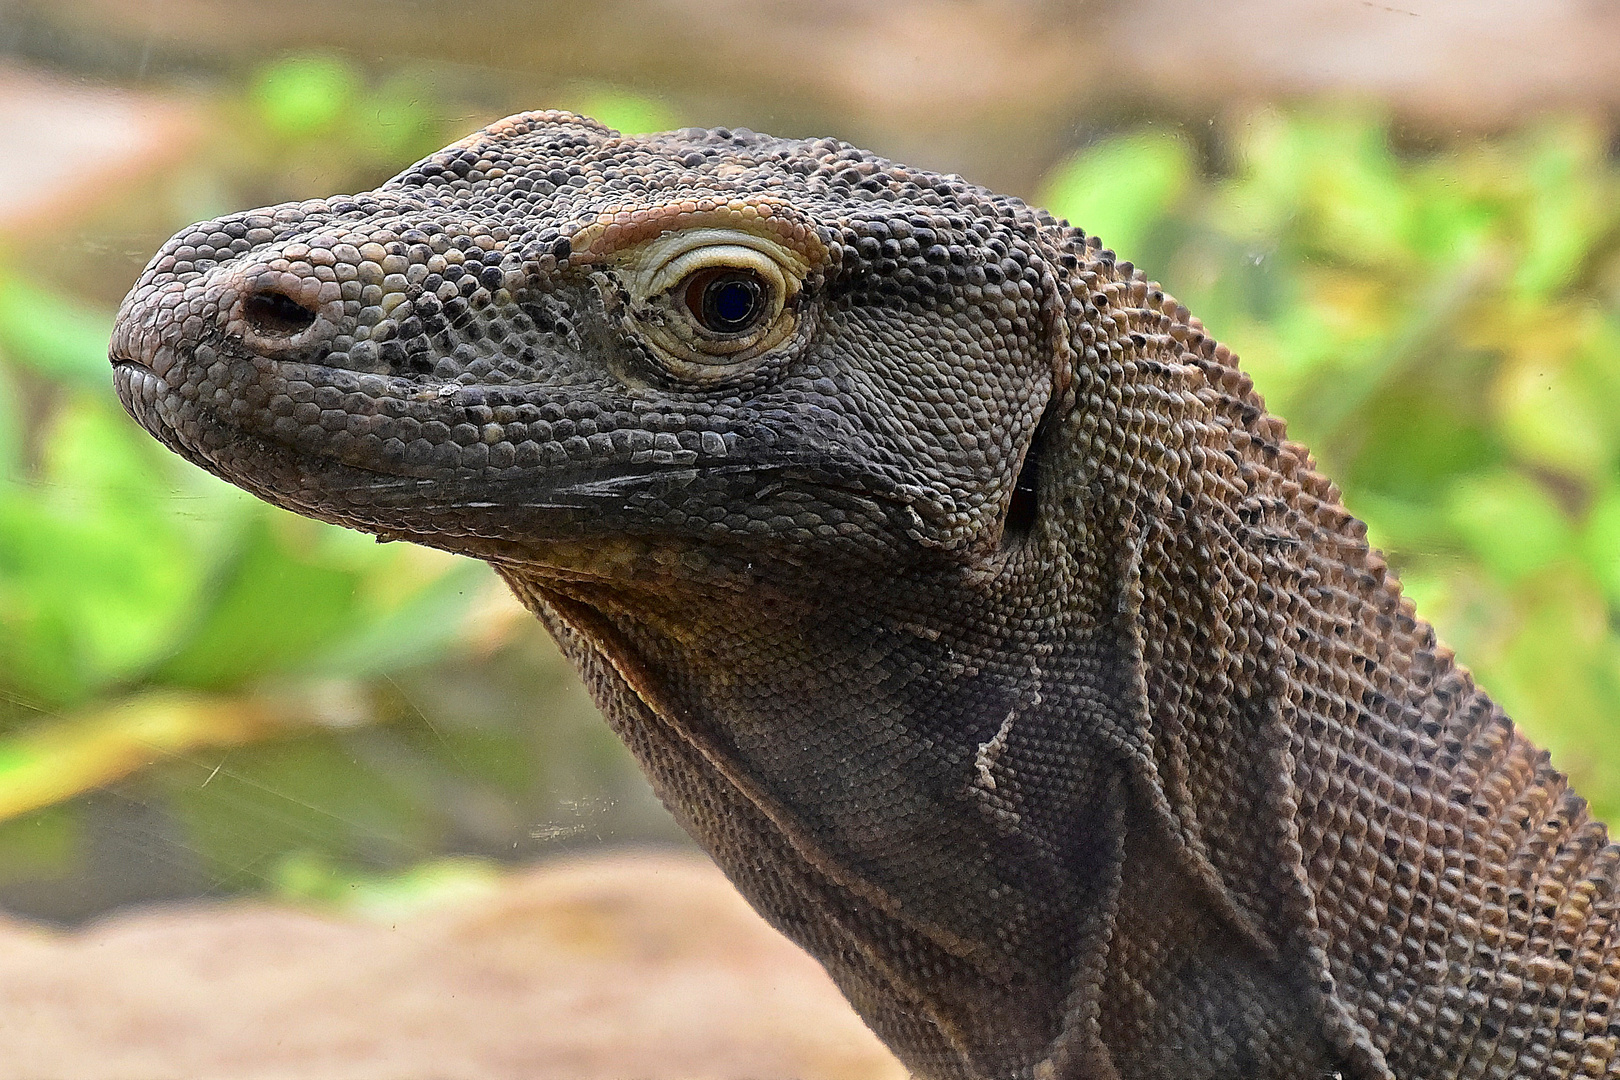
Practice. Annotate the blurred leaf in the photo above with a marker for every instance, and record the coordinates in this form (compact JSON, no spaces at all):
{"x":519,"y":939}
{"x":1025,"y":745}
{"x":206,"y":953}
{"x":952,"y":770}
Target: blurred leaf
{"x":1360,"y":209}
{"x":310,"y":877}
{"x":1325,"y":184}
{"x":56,"y":761}
{"x":1411,"y":447}
{"x":1549,"y":413}
{"x":626,"y":112}
{"x":1121,"y":187}
{"x":1558,"y":677}
{"x":53,"y":335}
{"x":1510,"y":524}
{"x":1401,"y":339}
{"x":305,"y":95}
{"x":1454,"y":211}
{"x":11,"y":426}
{"x":1570,"y":204}
{"x":95,"y":577}
{"x":1600,"y":544}
{"x":396,"y":125}
{"x":419,"y":629}
{"x":275,"y":607}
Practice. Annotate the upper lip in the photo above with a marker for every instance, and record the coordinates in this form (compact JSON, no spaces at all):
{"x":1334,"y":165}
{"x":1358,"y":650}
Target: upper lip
{"x":125,"y":346}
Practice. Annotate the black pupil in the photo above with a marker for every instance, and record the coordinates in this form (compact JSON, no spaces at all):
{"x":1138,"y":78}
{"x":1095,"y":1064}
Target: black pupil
{"x":730,"y":303}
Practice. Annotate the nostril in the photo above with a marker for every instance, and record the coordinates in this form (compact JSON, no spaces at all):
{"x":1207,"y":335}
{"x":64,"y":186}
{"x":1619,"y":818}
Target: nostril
{"x":275,"y":314}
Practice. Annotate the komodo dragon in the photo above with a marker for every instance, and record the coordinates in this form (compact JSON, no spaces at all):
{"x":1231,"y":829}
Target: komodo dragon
{"x":951,"y":584}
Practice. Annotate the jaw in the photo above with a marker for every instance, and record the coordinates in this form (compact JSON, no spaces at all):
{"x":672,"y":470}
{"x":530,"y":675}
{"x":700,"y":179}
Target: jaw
{"x":458,"y":510}
{"x":635,"y":515}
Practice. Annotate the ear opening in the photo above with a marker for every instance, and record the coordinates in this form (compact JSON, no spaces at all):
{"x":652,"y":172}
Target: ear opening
{"x":1023,"y":509}
{"x":1024,"y":506}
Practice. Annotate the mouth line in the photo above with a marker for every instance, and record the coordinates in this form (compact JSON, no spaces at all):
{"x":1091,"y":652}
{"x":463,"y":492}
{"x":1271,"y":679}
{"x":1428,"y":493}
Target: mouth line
{"x":605,"y":480}
{"x":569,"y":491}
{"x":139,"y":389}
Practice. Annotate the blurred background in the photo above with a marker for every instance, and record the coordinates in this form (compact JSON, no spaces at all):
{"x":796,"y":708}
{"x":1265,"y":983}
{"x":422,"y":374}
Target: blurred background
{"x":1404,"y":217}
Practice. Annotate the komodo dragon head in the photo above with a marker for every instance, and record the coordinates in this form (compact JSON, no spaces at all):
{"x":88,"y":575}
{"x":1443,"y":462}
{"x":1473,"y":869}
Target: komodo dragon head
{"x":950,"y":584}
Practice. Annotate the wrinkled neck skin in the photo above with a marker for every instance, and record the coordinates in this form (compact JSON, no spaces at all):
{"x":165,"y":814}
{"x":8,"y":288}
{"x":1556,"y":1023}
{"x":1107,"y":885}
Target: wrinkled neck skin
{"x":864,"y":737}
{"x":945,"y":765}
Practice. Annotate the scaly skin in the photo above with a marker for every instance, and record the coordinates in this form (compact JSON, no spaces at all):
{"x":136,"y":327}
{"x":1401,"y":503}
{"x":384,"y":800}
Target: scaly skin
{"x":952,"y":586}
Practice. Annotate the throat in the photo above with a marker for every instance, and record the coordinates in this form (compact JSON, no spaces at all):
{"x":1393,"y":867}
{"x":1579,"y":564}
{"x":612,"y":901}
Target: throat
{"x":904,"y":779}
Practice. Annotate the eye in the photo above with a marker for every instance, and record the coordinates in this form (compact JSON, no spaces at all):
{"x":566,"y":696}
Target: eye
{"x":726,"y":300}
{"x":710,"y":302}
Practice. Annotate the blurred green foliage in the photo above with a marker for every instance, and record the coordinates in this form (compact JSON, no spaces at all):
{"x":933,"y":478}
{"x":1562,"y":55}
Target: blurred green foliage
{"x":1440,"y":323}
{"x":325,"y":104}
{"x":309,"y":877}
{"x":625,"y":112}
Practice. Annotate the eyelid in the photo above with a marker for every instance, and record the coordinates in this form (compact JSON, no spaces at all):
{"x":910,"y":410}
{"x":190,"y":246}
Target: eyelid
{"x":722,"y":257}
{"x":661,"y":264}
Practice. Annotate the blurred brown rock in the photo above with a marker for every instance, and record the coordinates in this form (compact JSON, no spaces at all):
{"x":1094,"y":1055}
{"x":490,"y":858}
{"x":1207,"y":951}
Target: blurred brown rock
{"x":624,"y":965}
{"x":65,"y":144}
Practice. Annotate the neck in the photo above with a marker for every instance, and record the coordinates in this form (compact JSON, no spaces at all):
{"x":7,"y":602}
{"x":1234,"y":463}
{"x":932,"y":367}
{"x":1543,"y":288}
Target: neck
{"x":955,"y":784}
{"x":1361,"y":804}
